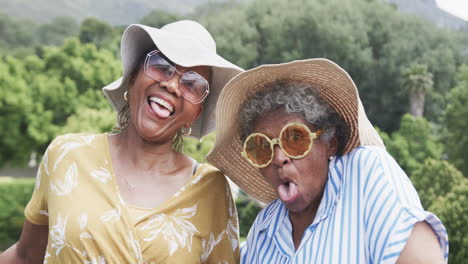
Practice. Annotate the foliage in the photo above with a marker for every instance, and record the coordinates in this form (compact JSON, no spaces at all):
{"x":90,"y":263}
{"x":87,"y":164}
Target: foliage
{"x":14,"y":195}
{"x":452,"y":209}
{"x":455,"y":121}
{"x":158,"y":18}
{"x":56,"y":31}
{"x":398,"y":40}
{"x":413,"y":143}
{"x":21,"y":37}
{"x":434,"y":179}
{"x":374,"y":42}
{"x":198,"y":149}
{"x":95,"y":31}
{"x":247,"y":210}
{"x":39,"y":94}
{"x":417,"y":81}
{"x":90,"y":120}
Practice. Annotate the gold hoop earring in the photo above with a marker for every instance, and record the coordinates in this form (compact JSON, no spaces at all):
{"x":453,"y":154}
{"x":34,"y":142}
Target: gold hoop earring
{"x":186,"y":133}
{"x":125,"y":96}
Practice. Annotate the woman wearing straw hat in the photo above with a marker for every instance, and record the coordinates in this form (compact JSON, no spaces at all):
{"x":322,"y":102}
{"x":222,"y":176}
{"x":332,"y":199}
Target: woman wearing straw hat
{"x":132,"y":197}
{"x":296,"y":136}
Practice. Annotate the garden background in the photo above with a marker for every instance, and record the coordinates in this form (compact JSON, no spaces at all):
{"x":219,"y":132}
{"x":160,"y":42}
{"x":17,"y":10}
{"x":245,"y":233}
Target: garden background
{"x":412,"y":77}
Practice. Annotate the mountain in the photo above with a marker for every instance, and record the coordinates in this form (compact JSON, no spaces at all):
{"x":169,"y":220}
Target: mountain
{"x":431,"y":11}
{"x":116,"y":12}
{"x":124,"y":12}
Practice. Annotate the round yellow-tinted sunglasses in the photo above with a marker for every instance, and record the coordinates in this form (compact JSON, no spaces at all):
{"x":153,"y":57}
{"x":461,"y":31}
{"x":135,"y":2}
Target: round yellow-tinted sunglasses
{"x":295,"y":140}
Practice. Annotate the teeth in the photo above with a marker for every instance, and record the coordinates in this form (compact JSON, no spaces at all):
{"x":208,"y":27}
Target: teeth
{"x":162,"y":102}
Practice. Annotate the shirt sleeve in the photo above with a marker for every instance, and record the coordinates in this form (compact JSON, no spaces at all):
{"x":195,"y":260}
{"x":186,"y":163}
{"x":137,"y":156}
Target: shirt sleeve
{"x":392,"y":209}
{"x":36,"y":210}
{"x":223,"y":243}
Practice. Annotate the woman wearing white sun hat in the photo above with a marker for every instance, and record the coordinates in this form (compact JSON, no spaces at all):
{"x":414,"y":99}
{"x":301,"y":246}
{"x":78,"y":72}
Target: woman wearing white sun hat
{"x":132,"y":196}
{"x":295,"y":136}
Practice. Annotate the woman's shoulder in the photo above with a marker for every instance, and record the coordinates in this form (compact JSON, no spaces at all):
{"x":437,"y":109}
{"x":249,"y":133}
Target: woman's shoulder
{"x":70,"y":144}
{"x":76,"y":138}
{"x":209,"y":174}
{"x":209,"y":170}
{"x":368,"y":157}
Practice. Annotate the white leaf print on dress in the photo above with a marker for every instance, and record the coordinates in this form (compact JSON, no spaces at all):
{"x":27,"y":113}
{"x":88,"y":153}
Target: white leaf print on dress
{"x":136,"y":248}
{"x":112,"y":215}
{"x":65,"y":148}
{"x":83,"y":221}
{"x":43,"y":212}
{"x":102,"y":174}
{"x":95,"y":260}
{"x":68,"y":184}
{"x":209,"y":245}
{"x":57,"y":234}
{"x":175,"y":229}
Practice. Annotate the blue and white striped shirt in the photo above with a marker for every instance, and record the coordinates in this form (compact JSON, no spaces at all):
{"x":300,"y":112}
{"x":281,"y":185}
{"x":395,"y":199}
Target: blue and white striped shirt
{"x":366,"y":215}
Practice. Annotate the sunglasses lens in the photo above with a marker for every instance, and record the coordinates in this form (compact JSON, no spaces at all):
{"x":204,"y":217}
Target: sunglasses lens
{"x":258,"y":149}
{"x":193,"y":86}
{"x":295,"y":140}
{"x":158,"y":68}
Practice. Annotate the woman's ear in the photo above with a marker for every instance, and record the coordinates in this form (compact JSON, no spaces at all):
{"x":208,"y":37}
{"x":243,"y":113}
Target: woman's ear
{"x":333,"y":146}
{"x":197,"y":114}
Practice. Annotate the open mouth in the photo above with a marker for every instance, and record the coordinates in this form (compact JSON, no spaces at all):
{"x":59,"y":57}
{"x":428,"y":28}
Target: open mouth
{"x":288,"y":191}
{"x":161,"y":107}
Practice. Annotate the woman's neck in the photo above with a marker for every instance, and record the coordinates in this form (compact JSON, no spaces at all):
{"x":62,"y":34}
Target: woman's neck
{"x":300,"y":221}
{"x":144,"y":155}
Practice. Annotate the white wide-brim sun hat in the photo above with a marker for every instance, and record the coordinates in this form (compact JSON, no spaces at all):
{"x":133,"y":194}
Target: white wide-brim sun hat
{"x":332,"y":83}
{"x":186,"y":43}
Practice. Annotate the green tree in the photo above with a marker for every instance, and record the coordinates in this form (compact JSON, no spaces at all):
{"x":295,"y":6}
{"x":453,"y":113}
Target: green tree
{"x":434,"y":179}
{"x":417,"y":81}
{"x":198,"y":149}
{"x":236,"y":40}
{"x":15,"y":104}
{"x":39,"y":95}
{"x":55,"y":32}
{"x":17,"y":36}
{"x":452,"y":209}
{"x":90,"y":120}
{"x":159,"y":18}
{"x":413,"y":143}
{"x":95,"y":31}
{"x":455,"y":121}
{"x":398,"y":40}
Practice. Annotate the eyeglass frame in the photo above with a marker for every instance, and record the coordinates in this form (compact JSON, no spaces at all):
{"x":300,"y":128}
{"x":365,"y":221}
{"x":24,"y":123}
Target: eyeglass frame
{"x":277,"y":141}
{"x":156,"y":51}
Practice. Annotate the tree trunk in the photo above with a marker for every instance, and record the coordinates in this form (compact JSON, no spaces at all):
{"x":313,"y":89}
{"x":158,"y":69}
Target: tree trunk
{"x":417,"y":103}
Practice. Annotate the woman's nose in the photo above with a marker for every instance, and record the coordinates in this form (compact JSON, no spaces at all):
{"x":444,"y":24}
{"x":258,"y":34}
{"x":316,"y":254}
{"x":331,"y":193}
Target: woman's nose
{"x":172,"y":85}
{"x":279,"y":157}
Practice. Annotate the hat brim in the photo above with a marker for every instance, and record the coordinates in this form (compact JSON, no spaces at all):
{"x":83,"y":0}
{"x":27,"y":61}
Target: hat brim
{"x":183,"y":51}
{"x":333,"y":84}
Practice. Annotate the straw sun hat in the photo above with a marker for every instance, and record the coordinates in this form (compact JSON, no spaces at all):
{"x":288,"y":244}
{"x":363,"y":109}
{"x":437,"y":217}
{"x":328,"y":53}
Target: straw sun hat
{"x":186,"y":43}
{"x":333,"y":84}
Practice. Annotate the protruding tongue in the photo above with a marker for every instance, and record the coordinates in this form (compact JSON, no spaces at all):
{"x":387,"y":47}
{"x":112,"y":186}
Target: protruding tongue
{"x":287,"y":192}
{"x":160,"y":110}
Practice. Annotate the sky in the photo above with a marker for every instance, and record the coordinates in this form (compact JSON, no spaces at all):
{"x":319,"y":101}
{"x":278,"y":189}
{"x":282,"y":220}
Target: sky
{"x":455,"y":7}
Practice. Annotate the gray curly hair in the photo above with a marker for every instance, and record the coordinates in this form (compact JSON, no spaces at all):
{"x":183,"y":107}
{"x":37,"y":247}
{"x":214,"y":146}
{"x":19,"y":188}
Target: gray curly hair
{"x":297,"y":99}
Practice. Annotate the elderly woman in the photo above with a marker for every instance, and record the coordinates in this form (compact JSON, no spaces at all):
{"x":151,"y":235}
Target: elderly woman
{"x":296,"y":136}
{"x":132,"y":197}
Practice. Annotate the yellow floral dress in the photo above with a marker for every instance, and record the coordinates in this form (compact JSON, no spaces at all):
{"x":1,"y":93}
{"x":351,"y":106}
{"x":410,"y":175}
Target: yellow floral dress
{"x":77,"y":196}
